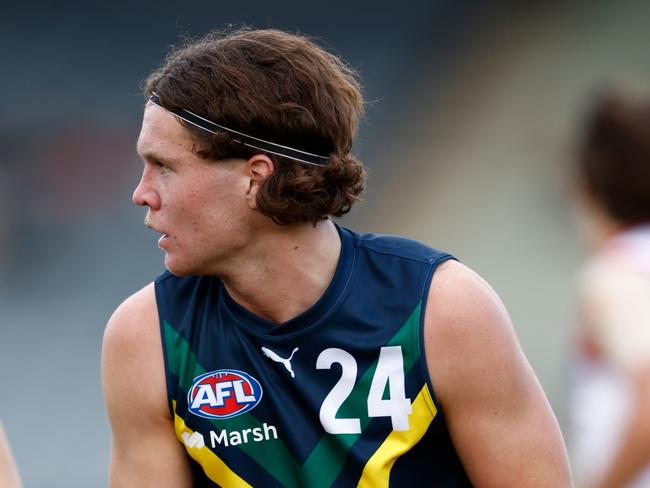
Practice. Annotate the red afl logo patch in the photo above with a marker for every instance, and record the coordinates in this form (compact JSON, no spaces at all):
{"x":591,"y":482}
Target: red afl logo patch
{"x":223,"y":394}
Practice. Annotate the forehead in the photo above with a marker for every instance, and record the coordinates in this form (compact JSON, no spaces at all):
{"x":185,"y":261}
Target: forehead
{"x":162,"y":134}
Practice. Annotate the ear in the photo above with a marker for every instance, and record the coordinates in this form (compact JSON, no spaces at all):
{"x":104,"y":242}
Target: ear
{"x":260,"y":167}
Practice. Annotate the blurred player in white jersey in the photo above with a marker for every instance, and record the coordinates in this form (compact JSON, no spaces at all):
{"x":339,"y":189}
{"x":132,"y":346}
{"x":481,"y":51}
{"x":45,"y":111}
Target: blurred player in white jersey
{"x":610,"y":403}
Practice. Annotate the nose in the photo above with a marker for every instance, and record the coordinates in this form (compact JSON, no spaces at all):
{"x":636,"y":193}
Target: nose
{"x":145,"y":194}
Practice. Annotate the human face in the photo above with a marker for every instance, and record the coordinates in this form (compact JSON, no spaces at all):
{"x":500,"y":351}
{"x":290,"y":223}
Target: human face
{"x":198,"y":206}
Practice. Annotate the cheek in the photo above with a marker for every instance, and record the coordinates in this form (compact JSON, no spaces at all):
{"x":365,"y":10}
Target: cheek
{"x":208,"y":204}
{"x":206,"y":209}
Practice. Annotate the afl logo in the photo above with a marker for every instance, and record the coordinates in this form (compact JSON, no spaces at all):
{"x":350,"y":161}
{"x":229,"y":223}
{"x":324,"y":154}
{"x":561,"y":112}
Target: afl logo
{"x":223,"y":394}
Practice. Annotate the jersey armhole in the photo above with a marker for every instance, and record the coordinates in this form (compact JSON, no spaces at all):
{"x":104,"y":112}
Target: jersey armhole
{"x":431,"y":400}
{"x":165,"y":351}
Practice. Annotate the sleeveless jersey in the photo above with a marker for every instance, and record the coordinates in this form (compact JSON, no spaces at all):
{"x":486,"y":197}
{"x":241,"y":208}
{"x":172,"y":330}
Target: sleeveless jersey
{"x":338,"y":396}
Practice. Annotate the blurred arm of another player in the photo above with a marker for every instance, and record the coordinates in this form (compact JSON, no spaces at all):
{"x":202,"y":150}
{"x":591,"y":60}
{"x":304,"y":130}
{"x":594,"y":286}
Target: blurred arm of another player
{"x":8,"y":473}
{"x":633,"y":454}
{"x":617,"y":314}
{"x":145,"y":451}
{"x":499,"y":419}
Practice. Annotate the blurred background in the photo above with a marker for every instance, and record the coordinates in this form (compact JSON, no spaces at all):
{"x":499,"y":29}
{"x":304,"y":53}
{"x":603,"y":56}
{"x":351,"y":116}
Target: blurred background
{"x":468,"y":138}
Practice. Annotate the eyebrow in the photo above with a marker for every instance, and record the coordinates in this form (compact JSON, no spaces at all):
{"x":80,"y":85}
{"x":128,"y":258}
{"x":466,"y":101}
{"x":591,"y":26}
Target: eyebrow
{"x":152,"y":155}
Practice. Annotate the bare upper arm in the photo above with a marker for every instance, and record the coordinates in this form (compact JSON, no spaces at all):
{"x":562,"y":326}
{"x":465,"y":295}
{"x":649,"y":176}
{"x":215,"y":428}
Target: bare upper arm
{"x":499,"y":419}
{"x":9,"y":477}
{"x":145,"y":451}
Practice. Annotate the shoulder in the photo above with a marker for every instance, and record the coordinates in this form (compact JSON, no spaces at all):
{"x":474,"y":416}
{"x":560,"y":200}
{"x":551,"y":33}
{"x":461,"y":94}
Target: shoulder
{"x":466,"y":330}
{"x":613,"y":273}
{"x":460,"y":301}
{"x":614,"y":286}
{"x":614,"y":309}
{"x":133,"y":320}
{"x":132,"y":351}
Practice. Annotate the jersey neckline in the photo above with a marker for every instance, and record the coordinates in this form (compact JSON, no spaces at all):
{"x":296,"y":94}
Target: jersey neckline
{"x":324,"y":306}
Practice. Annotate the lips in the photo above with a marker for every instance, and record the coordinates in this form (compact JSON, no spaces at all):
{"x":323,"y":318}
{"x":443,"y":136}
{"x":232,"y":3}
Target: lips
{"x":153,"y":227}
{"x":164,"y":236}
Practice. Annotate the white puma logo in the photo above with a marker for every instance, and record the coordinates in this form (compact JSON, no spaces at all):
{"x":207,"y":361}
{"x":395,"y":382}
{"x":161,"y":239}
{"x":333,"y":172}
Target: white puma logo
{"x":287,"y":362}
{"x":194,"y":440}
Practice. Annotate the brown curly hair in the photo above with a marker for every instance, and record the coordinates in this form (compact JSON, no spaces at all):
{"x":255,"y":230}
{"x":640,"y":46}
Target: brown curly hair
{"x":614,"y":160}
{"x":280,"y":87}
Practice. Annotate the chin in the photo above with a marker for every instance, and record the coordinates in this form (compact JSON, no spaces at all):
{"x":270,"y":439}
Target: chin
{"x":179,"y":268}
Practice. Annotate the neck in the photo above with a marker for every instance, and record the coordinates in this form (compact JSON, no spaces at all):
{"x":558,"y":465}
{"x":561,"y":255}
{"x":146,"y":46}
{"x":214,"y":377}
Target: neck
{"x":286,"y":271}
{"x":595,"y":223}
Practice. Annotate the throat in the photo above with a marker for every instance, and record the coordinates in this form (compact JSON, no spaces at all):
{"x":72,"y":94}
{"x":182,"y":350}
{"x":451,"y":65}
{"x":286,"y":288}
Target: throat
{"x":290,"y":280}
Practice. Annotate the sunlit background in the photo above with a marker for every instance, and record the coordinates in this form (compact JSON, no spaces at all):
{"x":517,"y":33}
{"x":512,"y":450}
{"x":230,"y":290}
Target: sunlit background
{"x":472,"y":116}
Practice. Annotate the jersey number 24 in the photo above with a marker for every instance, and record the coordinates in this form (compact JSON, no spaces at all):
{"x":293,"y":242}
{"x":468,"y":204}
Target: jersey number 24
{"x":390,"y":369}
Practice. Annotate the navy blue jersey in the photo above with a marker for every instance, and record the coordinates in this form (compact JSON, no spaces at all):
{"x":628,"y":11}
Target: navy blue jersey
{"x":338,"y":396}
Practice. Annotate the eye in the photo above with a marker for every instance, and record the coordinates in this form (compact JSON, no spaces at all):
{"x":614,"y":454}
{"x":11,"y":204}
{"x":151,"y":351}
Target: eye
{"x":162,"y":167}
